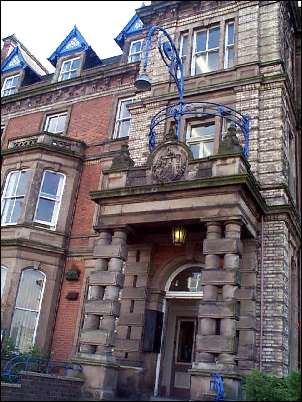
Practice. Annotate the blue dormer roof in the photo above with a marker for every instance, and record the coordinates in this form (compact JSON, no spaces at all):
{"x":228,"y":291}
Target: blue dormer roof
{"x":134,"y":26}
{"x":14,"y":61}
{"x":73,"y":42}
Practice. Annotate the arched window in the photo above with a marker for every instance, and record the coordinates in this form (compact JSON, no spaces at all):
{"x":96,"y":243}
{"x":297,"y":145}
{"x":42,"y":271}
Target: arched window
{"x":27,"y":309}
{"x":3,"y":278}
{"x":186,"y":282}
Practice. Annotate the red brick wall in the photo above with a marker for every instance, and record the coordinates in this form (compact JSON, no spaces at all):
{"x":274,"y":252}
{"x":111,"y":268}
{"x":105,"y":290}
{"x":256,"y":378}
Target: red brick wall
{"x":67,"y":315}
{"x":23,"y":125}
{"x":90,"y":119}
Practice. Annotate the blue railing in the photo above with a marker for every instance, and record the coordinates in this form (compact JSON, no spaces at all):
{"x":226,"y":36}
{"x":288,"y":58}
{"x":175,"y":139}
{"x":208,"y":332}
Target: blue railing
{"x":24,"y":362}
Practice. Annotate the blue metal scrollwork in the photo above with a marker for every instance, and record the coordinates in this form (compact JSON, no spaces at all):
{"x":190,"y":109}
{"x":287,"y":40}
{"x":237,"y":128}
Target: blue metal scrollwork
{"x":172,"y":59}
{"x":217,"y":385}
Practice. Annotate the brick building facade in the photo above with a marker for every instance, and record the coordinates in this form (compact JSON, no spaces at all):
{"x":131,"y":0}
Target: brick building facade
{"x":89,"y":270}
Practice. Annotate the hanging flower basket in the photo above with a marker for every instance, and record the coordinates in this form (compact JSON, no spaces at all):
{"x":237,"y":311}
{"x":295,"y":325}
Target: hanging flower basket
{"x":72,"y":274}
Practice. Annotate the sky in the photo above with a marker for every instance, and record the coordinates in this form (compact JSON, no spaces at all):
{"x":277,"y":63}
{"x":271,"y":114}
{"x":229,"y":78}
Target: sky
{"x":42,"y":25}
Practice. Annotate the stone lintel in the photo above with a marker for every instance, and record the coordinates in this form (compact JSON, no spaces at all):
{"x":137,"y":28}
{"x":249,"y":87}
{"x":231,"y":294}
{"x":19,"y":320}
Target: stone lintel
{"x":127,"y":345}
{"x":105,"y":278}
{"x":110,"y":251}
{"x":222,"y":246}
{"x":220,"y":277}
{"x":218,"y":310}
{"x":215,"y":343}
{"x":102,"y":307}
{"x":131,"y":319}
{"x":96,"y":337}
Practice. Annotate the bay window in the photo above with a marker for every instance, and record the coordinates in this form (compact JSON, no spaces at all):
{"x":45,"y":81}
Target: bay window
{"x":12,"y":204}
{"x":49,"y":199}
{"x":27,"y":309}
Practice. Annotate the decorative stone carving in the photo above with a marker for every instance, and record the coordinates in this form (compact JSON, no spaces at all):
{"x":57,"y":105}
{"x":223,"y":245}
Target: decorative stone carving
{"x":230,"y":144}
{"x":169,"y":163}
{"x":123,"y":160}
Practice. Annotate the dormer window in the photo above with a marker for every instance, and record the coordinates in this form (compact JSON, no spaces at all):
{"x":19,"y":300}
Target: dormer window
{"x":135,"y":52}
{"x":10,"y":85}
{"x":69,"y":69}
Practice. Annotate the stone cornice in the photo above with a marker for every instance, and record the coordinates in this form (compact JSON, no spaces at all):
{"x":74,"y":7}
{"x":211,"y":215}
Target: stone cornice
{"x":30,"y":244}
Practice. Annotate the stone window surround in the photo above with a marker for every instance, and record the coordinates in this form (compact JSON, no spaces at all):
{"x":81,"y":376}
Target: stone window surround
{"x":9,"y":74}
{"x":60,"y":62}
{"x":55,"y":111}
{"x":33,"y":193}
{"x":208,"y":23}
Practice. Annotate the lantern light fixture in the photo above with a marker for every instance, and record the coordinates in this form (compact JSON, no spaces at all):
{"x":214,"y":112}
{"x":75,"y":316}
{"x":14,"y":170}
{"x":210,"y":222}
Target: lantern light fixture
{"x":179,"y":235}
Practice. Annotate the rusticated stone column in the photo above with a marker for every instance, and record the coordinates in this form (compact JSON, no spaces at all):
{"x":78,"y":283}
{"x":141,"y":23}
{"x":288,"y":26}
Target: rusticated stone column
{"x":101,"y":309}
{"x":216,"y":338}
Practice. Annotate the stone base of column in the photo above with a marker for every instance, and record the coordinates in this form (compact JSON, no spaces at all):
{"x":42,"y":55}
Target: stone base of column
{"x":200,"y":384}
{"x":101,"y":373}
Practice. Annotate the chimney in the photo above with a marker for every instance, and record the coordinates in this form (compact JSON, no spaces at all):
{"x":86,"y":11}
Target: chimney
{"x":9,"y":43}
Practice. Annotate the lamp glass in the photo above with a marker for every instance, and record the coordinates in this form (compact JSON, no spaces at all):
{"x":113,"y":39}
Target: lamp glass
{"x":179,"y":234}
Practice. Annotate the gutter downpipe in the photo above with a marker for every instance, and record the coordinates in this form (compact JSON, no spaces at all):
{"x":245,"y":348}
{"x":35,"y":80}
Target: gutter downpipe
{"x":261,"y":296}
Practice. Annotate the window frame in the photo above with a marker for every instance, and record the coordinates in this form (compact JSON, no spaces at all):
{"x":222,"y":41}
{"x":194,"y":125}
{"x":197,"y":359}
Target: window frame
{"x":58,"y":201}
{"x":206,"y":51}
{"x":10,"y":77}
{"x":118,"y":119}
{"x":51,"y":116}
{"x":3,"y":281}
{"x":70,"y":59}
{"x":24,"y":271}
{"x":4,"y":197}
{"x":228,"y":46}
{"x":130,"y":54}
{"x":198,"y":140}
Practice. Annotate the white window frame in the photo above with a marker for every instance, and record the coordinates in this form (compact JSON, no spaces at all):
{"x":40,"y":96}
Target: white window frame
{"x":11,"y":90}
{"x":119,"y":119}
{"x":57,"y":199}
{"x":4,"y":197}
{"x":135,"y":53}
{"x":52,"y":116}
{"x":200,"y":140}
{"x":40,"y":301}
{"x":206,"y":51}
{"x":228,"y":46}
{"x":3,"y":278}
{"x":69,"y":71}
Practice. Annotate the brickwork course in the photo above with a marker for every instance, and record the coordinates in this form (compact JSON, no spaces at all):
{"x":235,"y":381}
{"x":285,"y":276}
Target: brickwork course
{"x":114,"y":224}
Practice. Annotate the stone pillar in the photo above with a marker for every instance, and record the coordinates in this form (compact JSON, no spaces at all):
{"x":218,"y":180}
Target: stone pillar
{"x":216,"y":338}
{"x":101,"y":309}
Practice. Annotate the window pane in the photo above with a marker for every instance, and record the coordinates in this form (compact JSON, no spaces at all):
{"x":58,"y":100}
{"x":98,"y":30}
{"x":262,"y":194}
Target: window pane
{"x":195,"y":148}
{"x":23,"y":328}
{"x":230,"y":55}
{"x":206,"y":130}
{"x":50,"y":183}
{"x":45,"y":210}
{"x":134,"y":57}
{"x":3,"y":278}
{"x":23,"y":182}
{"x":230,"y":38}
{"x":184,"y":45}
{"x":30,"y":290}
{"x":72,"y":74}
{"x":201,"y":40}
{"x":201,"y":64}
{"x":208,"y":149}
{"x":124,"y":112}
{"x":123,"y":130}
{"x":51,"y":125}
{"x":75,"y":64}
{"x":185,"y":342}
{"x":65,"y":76}
{"x":7,"y":210}
{"x":213,"y":38}
{"x":136,"y":47}
{"x":17,"y":209}
{"x":213,"y":61}
{"x":12,"y":184}
{"x":188,"y":280}
{"x":66,"y":66}
{"x":61,"y":123}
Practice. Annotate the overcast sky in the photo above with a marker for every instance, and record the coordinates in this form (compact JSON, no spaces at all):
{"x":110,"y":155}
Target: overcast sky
{"x":42,"y":25}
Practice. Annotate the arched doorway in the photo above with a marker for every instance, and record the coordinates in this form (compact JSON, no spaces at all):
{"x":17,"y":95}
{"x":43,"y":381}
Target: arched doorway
{"x":182,"y":294}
